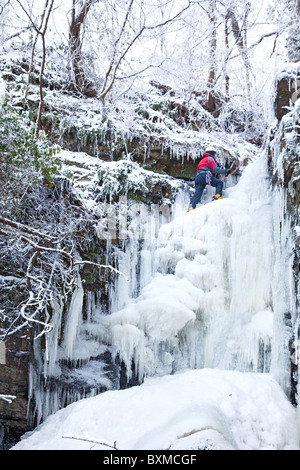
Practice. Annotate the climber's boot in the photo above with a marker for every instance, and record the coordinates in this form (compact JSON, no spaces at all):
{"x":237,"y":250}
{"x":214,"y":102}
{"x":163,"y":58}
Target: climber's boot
{"x":191,"y":209}
{"x":217,"y":196}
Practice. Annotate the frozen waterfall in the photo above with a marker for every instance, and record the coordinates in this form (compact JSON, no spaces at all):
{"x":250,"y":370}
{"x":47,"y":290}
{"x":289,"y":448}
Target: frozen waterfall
{"x":211,"y":288}
{"x":213,"y":296}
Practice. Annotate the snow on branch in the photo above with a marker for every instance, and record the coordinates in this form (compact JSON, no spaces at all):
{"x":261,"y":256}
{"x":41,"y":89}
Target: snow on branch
{"x":25,"y":228}
{"x":105,"y":266}
{"x":52,"y":268}
{"x":7,"y":398}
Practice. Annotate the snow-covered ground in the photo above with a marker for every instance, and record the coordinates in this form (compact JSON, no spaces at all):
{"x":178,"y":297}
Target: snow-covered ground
{"x":196,"y":409}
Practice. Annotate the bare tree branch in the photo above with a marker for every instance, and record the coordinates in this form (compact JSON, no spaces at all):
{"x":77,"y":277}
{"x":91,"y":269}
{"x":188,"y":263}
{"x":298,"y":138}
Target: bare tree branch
{"x":40,"y":286}
{"x":95,"y":442}
{"x":40,"y":31}
{"x":26,"y":229}
{"x":111,"y":73}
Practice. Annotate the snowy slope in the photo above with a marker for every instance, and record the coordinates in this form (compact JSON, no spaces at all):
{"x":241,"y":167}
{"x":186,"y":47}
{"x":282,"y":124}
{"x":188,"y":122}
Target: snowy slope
{"x":198,"y":409}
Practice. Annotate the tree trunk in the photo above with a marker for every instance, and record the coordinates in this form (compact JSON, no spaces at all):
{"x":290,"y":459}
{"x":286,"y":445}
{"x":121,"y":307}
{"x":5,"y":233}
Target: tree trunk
{"x":226,"y":60}
{"x":79,"y":80}
{"x":241,"y":42}
{"x":211,"y":102}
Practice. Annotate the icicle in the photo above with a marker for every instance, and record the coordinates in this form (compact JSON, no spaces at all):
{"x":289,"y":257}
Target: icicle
{"x":51,"y":367}
{"x":73,"y":319}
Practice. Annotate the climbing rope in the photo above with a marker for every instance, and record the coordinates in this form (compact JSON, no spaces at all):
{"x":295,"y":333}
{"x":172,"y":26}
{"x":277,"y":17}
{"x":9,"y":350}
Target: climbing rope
{"x":246,"y":158}
{"x":236,"y":169}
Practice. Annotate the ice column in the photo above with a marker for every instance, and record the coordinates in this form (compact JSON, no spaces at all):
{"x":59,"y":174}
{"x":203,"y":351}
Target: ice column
{"x":73,"y":320}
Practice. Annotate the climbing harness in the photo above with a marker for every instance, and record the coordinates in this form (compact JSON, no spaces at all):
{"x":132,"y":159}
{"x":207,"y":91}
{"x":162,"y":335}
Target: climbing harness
{"x":208,"y":181}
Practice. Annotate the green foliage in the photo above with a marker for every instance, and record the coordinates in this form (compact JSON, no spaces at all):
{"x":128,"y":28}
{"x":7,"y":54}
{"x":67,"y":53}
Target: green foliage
{"x":23,"y":158}
{"x":20,"y":150}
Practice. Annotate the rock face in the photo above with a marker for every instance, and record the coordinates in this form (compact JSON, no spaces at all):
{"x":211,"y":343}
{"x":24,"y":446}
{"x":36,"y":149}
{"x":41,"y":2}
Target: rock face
{"x":14,"y":375}
{"x":148,"y":155}
{"x":284,"y":153}
{"x":287,"y":89}
{"x":284,"y":149}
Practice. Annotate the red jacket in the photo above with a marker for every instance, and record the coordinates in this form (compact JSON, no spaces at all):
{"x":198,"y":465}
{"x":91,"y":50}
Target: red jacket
{"x":207,"y":163}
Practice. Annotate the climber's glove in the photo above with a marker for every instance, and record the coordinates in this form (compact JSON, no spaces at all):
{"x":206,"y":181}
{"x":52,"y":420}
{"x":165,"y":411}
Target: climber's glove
{"x":230,"y":170}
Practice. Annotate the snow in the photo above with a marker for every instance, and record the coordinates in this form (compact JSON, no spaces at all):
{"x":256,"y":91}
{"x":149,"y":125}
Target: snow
{"x":216,"y":409}
{"x":2,"y":92}
{"x":288,"y":69}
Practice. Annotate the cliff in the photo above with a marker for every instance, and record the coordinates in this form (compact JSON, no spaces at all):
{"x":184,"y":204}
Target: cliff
{"x":284,"y":151}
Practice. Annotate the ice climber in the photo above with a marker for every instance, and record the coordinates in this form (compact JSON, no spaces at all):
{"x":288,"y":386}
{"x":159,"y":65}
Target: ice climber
{"x":206,"y":170}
